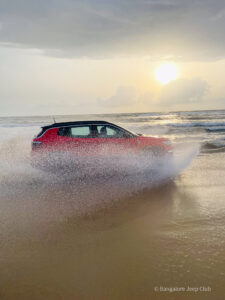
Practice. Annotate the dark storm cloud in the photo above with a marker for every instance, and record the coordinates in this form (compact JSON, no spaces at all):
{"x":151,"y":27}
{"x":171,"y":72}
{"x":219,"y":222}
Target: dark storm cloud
{"x":182,"y":29}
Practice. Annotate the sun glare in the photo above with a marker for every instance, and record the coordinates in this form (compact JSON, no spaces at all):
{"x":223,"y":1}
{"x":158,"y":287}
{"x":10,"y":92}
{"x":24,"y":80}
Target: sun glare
{"x":166,"y":72}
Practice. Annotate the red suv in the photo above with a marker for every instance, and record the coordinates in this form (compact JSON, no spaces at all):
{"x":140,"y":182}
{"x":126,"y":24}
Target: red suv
{"x":89,"y":139}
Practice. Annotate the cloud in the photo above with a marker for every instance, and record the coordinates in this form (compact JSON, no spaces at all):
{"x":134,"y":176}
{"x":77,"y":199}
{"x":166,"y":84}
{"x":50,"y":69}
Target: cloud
{"x":127,"y":99}
{"x":124,"y":96}
{"x":182,"y":29}
{"x":184,"y":91}
{"x":177,"y":94}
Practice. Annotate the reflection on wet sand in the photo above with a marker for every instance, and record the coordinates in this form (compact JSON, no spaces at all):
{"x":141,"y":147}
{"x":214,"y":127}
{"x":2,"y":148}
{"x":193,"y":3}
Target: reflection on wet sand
{"x":75,"y":240}
{"x":94,"y":256}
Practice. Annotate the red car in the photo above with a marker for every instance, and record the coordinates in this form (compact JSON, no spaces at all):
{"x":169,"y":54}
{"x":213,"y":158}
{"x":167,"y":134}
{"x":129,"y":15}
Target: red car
{"x":90,"y":139}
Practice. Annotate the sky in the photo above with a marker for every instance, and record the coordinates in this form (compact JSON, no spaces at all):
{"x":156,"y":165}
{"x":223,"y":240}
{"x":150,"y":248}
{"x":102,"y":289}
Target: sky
{"x":100,"y":56}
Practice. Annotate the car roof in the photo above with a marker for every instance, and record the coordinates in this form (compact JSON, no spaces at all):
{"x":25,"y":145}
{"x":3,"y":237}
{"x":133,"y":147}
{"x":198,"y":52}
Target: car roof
{"x":76,"y":123}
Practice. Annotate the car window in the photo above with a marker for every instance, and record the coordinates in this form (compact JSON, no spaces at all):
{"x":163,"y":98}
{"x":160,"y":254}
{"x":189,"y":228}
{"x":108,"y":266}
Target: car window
{"x":63,"y":131}
{"x":110,"y":132}
{"x":80,"y":131}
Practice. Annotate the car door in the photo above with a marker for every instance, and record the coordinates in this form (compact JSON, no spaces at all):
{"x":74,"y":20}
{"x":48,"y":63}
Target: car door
{"x":115,"y":140}
{"x":81,"y":140}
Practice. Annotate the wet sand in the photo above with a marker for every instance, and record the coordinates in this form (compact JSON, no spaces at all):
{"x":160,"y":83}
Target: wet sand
{"x":170,"y":236}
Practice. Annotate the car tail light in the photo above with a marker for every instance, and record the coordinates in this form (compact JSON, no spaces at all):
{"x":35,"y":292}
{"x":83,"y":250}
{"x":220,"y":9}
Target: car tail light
{"x":36,"y":144}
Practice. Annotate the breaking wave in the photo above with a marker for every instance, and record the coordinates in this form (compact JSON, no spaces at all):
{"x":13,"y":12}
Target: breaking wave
{"x":217,"y":145}
{"x":216,"y":129}
{"x":198,"y":124}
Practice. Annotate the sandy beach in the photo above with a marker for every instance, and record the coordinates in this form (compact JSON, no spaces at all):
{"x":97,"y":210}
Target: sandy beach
{"x":160,"y":242}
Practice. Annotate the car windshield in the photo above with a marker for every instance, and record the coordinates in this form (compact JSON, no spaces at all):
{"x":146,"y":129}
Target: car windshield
{"x":131,"y":132}
{"x":110,"y":131}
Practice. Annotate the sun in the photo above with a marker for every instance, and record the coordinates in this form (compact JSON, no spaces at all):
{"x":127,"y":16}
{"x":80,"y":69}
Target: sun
{"x":167,"y":72}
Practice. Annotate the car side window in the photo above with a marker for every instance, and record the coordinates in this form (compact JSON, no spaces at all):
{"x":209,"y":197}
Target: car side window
{"x":80,"y":132}
{"x":110,"y":132}
{"x":63,"y":131}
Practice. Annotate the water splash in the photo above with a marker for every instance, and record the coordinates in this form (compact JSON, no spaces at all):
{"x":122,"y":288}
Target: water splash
{"x":89,"y":185}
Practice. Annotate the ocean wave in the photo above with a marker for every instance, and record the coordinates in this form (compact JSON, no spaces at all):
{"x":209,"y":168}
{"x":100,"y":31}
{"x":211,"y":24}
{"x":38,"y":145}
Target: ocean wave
{"x":214,"y":145}
{"x":206,"y":117}
{"x":197,"y":124}
{"x":215,"y":129}
{"x":20,"y":125}
{"x":147,"y":129}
